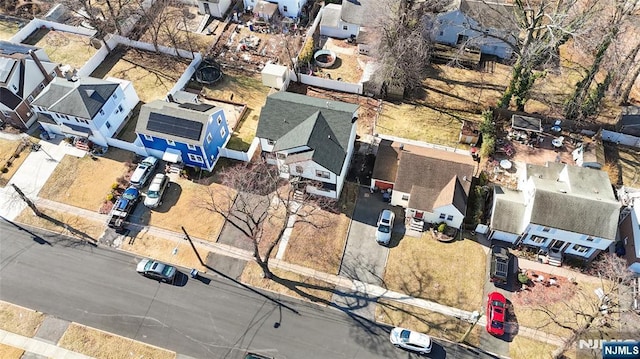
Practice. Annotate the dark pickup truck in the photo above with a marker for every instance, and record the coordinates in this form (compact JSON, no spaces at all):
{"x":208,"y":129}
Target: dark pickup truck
{"x":123,"y":207}
{"x":499,"y":272}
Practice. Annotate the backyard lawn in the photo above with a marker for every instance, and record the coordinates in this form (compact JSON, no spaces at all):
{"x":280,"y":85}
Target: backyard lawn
{"x":102,"y":345}
{"x":19,"y":320}
{"x":152,"y":74}
{"x":415,"y":267}
{"x":8,"y":28}
{"x":83,"y":182}
{"x":424,"y":321}
{"x":242,"y":88}
{"x":162,"y":249}
{"x":322,"y":249}
{"x":63,"y":47}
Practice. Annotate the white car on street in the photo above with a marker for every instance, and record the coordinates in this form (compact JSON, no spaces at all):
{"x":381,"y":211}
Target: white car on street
{"x":410,"y":340}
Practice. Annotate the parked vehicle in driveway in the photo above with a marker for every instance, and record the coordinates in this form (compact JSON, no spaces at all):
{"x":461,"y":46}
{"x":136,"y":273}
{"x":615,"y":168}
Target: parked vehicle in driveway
{"x":156,"y":189}
{"x":144,"y":170}
{"x":496,"y":313}
{"x":385,"y":227}
{"x":123,"y":207}
{"x":410,"y":340}
{"x":156,"y":270}
{"x":499,"y":271}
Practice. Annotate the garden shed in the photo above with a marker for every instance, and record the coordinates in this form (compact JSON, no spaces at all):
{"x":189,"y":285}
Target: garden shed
{"x":275,"y":76}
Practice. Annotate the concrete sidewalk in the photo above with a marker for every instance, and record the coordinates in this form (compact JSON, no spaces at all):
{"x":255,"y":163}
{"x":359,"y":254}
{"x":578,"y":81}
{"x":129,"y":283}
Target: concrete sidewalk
{"x":37,"y":346}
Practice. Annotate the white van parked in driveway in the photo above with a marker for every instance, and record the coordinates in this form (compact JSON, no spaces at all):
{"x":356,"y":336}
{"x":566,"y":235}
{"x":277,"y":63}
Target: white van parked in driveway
{"x":144,"y":170}
{"x":156,"y":190}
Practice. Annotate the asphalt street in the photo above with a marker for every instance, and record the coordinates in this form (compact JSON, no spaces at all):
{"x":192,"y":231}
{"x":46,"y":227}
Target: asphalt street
{"x":219,"y":318}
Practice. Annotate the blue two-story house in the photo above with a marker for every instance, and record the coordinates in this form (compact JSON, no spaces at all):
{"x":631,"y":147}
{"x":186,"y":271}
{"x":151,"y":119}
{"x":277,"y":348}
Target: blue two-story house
{"x":189,"y":133}
{"x":558,"y":210}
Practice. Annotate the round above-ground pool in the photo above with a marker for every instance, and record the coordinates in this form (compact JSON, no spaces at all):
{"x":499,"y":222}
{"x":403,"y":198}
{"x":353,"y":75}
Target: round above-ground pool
{"x":325,"y":58}
{"x":208,"y":74}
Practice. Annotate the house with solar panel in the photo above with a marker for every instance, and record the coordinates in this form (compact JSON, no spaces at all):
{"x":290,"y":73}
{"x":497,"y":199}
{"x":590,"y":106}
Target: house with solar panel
{"x":309,"y":138}
{"x":189,"y":133}
{"x":24,"y":72}
{"x":85,"y":107}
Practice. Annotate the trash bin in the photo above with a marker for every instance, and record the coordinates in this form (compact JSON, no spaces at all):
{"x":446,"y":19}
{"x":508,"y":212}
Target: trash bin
{"x":194,"y":273}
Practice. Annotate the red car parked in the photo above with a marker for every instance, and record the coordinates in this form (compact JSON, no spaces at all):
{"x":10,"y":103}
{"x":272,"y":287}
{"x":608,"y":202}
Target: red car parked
{"x":496,"y":313}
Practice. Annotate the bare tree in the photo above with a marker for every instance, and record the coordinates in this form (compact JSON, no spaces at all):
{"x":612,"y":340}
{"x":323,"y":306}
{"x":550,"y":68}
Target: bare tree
{"x":259,"y":204}
{"x":105,"y":16}
{"x":594,"y":311}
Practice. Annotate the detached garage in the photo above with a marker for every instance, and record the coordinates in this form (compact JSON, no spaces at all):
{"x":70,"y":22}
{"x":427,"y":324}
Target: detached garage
{"x":215,"y":8}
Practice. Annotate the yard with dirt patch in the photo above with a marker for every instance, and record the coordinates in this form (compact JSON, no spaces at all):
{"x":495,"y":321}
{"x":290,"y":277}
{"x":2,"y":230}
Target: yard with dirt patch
{"x":7,"y":352}
{"x":178,"y":31}
{"x":63,"y":47}
{"x":19,"y":320}
{"x":322,"y":248}
{"x":8,"y":28}
{"x":63,"y":223}
{"x":103,"y":345}
{"x":83,"y":182}
{"x":162,"y":249}
{"x":522,"y":347}
{"x":622,"y":164}
{"x":288,"y":283}
{"x":152,"y":74}
{"x":245,"y":88}
{"x":424,"y":321}
{"x":7,"y":149}
{"x":415,"y":267}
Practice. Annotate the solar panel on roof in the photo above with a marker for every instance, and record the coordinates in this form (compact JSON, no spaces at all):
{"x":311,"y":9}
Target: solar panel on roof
{"x":174,"y":126}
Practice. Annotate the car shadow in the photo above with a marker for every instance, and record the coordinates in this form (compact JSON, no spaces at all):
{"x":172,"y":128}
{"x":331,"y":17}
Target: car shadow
{"x":512,"y":327}
{"x":169,"y":198}
{"x":437,"y":351}
{"x":180,"y":280}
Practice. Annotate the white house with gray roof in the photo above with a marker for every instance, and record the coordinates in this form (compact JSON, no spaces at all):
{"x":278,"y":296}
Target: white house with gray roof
{"x":559,"y":209}
{"x":308,"y":137}
{"x":85,"y":107}
{"x":346,"y":20}
{"x":288,"y":8}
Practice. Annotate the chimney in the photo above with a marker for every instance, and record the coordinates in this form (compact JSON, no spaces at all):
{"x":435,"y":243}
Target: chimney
{"x":35,"y":58}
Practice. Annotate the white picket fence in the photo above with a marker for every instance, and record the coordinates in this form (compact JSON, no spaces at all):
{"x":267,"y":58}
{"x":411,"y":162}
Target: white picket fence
{"x":620,"y":138}
{"x":187,"y":74}
{"x":36,"y":24}
{"x":240,"y":155}
{"x":127,"y":146}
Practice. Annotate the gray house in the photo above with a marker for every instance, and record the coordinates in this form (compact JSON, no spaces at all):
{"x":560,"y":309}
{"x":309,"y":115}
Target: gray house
{"x":346,"y":20}
{"x":559,"y":210}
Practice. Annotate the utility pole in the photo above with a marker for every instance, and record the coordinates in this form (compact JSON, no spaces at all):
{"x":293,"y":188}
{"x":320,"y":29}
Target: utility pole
{"x":29,"y":203}
{"x":193,"y":246}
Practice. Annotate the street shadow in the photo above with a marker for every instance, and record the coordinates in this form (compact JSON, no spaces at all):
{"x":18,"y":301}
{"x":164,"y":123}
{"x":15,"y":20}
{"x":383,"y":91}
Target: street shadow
{"x":36,"y":238}
{"x":202,"y":279}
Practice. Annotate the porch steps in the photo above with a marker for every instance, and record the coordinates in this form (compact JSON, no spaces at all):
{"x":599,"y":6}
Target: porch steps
{"x":416,"y":225}
{"x":555,"y":262}
{"x":82,"y":146}
{"x":298,"y":196}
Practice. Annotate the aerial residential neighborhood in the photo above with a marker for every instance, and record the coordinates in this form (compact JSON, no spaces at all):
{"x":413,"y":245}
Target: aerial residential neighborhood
{"x":273,"y":179}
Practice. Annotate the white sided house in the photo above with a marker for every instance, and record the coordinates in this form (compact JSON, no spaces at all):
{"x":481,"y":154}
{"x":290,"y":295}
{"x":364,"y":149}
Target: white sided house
{"x":309,"y":138}
{"x":288,"y":8}
{"x":348,"y":19}
{"x":215,"y":8}
{"x":559,"y":210}
{"x":432,"y":185}
{"x":85,"y":107}
{"x":487,"y":26}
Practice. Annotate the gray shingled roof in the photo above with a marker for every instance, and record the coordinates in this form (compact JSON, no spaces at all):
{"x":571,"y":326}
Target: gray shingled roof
{"x":386,"y":166}
{"x":330,"y":15}
{"x":177,"y":111}
{"x":82,"y":98}
{"x":526,"y":123}
{"x":358,"y":11}
{"x":494,"y":15}
{"x":508,"y":211}
{"x":324,"y":126}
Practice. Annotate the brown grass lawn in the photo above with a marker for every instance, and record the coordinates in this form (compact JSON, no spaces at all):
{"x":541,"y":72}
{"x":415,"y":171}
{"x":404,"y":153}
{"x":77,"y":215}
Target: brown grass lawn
{"x":424,"y":321}
{"x":67,"y":48}
{"x":7,"y":149}
{"x":185,"y":40}
{"x":288,"y":283}
{"x":322,"y":249}
{"x":7,"y":352}
{"x":19,"y":320}
{"x":8,"y":29}
{"x":522,"y":347}
{"x":152,"y":74}
{"x":243,"y":88}
{"x":452,"y":274}
{"x":162,"y":249}
{"x":103,"y":345}
{"x":83,"y":182}
{"x":623,"y":164}
{"x":528,"y":316}
{"x":77,"y":227}
{"x":180,"y":208}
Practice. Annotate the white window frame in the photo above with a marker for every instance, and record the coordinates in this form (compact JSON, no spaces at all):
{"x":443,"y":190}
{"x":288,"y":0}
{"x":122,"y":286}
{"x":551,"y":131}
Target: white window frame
{"x":195,"y":158}
{"x":323,"y":174}
{"x":271,"y":142}
{"x":449,"y":218}
{"x":41,"y":86}
{"x":223,"y":132}
{"x":120,"y":108}
{"x":345,"y":27}
{"x":219,"y":120}
{"x":147,"y":137}
{"x":107,"y":124}
{"x":405,"y":197}
{"x":191,"y":147}
{"x":171,"y":142}
{"x":443,"y":216}
{"x":209,"y":138}
{"x":578,"y":248}
{"x":30,"y":98}
{"x":539,"y":240}
{"x":299,"y":169}
{"x":284,"y":8}
{"x":102,"y":112}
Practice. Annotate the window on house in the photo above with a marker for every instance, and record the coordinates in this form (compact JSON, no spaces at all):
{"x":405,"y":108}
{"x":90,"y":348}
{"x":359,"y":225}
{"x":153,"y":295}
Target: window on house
{"x":580,"y":249}
{"x":213,"y":158}
{"x":405,"y":197}
{"x":115,"y":96}
{"x":209,"y":138}
{"x":443,"y":216}
{"x":281,"y":156}
{"x":546,"y":229}
{"x":590,"y":239}
{"x":299,"y":169}
{"x":102,"y":112}
{"x":284,"y":8}
{"x":54,"y":74}
{"x":120,"y":108}
{"x":441,"y":33}
{"x":195,"y":158}
{"x":14,"y":87}
{"x":219,"y":120}
{"x":271,"y":142}
{"x":223,"y":132}
{"x":538,"y":240}
{"x":345,"y":27}
{"x":191,"y":147}
{"x":30,"y":98}
{"x":107,"y":124}
{"x":449,"y":218}
{"x":323,"y":174}
{"x":41,"y":86}
{"x":171,"y":142}
{"x":147,"y":137}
